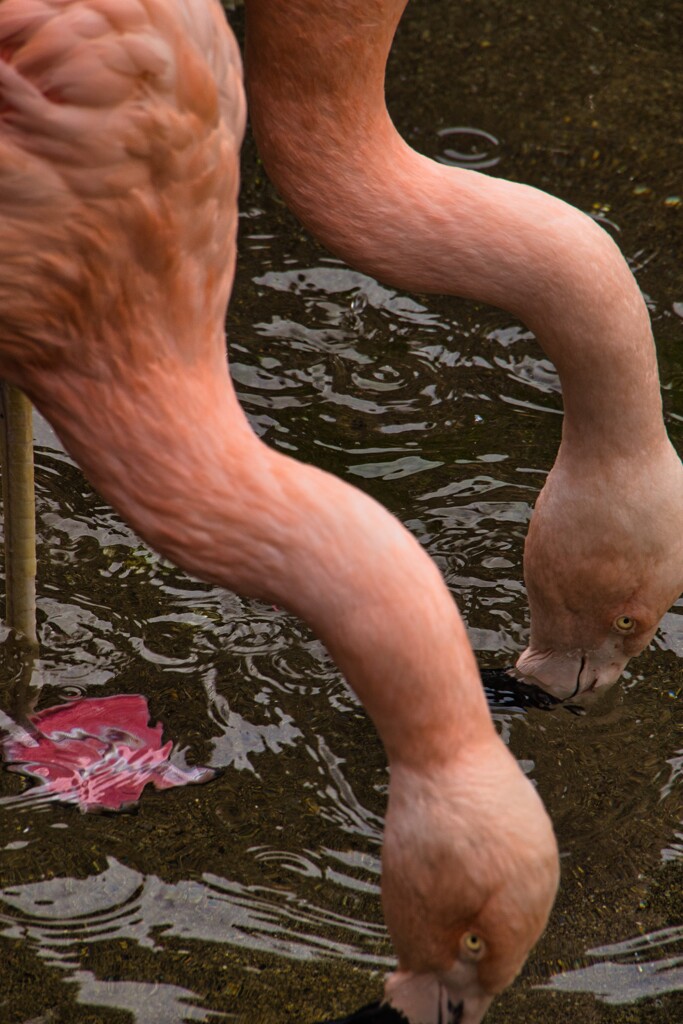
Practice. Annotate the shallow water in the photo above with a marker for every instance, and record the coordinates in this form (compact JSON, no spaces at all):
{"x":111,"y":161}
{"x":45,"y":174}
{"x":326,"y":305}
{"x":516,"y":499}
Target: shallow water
{"x":255,"y":898}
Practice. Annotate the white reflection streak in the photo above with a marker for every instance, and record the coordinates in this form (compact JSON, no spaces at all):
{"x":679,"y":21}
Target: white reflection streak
{"x":121,"y":903}
{"x":148,"y":1003}
{"x":239,"y":737}
{"x":322,"y":282}
{"x":633,"y":977}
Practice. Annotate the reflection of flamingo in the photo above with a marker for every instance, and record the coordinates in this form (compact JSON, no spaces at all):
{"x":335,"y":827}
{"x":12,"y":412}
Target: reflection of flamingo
{"x":604,"y":554}
{"x":118,"y":184}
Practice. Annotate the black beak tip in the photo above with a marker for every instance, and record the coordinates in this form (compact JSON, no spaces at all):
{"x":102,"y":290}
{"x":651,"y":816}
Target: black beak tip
{"x":501,"y":681}
{"x":455,"y":1013}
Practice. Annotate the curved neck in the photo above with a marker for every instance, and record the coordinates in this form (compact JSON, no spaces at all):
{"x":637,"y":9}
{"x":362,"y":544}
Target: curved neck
{"x":198,"y":486}
{"x":319,"y":116}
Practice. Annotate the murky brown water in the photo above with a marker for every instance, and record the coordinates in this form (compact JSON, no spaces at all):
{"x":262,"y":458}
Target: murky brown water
{"x":255,"y":898}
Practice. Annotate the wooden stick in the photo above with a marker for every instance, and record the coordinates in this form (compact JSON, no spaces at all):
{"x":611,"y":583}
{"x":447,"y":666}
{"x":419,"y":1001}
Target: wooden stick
{"x":18,"y":498}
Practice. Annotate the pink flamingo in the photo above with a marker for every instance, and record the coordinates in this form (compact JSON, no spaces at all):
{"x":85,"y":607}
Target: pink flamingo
{"x":604,"y":553}
{"x":120,"y":125}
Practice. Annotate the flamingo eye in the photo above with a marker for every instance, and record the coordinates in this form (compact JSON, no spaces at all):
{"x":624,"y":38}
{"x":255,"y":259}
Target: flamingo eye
{"x":472,"y":945}
{"x":625,"y":623}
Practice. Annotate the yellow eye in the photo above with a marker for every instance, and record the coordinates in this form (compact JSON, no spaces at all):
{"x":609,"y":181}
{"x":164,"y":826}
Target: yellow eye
{"x":472,"y":944}
{"x":625,"y":623}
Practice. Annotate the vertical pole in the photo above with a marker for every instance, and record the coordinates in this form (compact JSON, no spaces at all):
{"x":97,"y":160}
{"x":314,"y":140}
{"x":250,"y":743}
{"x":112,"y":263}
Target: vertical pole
{"x":18,"y":499}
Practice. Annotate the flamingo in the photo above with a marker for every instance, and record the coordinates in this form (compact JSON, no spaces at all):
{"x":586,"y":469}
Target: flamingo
{"x":120,"y":128}
{"x":603,"y":558}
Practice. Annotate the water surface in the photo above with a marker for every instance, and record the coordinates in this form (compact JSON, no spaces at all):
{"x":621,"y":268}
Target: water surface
{"x":256,"y":897}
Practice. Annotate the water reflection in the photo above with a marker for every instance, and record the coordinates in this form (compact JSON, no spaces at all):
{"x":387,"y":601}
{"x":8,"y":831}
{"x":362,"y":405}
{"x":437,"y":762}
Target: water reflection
{"x":58,"y":916}
{"x":640,"y":968}
{"x":146,"y":1003}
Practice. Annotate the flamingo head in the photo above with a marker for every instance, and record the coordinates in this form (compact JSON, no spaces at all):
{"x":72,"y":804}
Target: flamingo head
{"x":469,"y":875}
{"x":602,"y":566}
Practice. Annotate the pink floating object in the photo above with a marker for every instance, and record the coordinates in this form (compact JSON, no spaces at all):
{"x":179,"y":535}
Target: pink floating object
{"x":99,"y":753}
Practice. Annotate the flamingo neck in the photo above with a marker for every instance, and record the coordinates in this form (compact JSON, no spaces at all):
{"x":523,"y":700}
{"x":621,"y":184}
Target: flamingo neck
{"x":320,"y":120}
{"x":172,"y":451}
